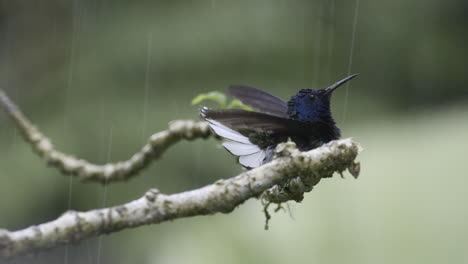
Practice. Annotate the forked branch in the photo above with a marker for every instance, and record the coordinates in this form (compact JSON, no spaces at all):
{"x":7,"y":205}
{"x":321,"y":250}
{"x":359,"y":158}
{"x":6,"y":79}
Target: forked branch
{"x":285,"y":178}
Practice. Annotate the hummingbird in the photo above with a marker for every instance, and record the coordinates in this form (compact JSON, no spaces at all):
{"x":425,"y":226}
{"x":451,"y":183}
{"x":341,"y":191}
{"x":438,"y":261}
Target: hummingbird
{"x":253,"y":135}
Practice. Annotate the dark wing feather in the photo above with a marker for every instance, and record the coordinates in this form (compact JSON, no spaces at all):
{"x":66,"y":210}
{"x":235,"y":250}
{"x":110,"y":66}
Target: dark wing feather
{"x":259,"y":99}
{"x":241,"y":120}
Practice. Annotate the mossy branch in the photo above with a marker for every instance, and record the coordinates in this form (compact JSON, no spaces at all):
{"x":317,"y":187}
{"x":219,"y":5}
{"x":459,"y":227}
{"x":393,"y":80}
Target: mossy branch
{"x":154,"y":207}
{"x":287,"y":177}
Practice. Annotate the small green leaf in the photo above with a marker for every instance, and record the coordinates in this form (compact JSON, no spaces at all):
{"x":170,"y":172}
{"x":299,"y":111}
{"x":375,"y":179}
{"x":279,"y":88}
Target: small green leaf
{"x":236,"y":103}
{"x":218,"y":97}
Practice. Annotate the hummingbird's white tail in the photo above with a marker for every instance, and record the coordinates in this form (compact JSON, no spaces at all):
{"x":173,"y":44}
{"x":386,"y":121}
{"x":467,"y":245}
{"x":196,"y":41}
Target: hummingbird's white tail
{"x":250,"y":155}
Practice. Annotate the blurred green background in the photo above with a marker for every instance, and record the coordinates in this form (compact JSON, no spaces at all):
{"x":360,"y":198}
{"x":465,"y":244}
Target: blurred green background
{"x":100,"y":76}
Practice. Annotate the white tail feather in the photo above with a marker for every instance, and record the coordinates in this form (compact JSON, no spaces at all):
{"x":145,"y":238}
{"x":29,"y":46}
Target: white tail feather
{"x":240,"y":149}
{"x":250,"y":155}
{"x":228,"y":133}
{"x":253,"y":160}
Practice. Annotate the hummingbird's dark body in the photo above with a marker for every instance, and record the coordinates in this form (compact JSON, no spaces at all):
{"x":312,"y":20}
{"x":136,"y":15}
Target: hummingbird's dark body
{"x":306,"y":119}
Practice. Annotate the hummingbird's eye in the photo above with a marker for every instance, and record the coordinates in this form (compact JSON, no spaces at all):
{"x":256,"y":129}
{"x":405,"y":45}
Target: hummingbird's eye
{"x":312,"y":96}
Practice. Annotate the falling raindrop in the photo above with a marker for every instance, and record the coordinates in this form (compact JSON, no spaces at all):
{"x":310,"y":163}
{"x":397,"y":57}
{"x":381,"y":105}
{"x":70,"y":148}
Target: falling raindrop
{"x":105,"y":190}
{"x":350,"y":61}
{"x":318,"y":42}
{"x":147,"y":84}
{"x":76,"y":19}
{"x":330,"y":40}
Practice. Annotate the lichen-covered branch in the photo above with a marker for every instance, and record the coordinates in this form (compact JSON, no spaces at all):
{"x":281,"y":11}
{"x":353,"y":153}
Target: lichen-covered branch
{"x":287,"y":177}
{"x":154,"y":207}
{"x":107,"y":173}
{"x":294,"y":188}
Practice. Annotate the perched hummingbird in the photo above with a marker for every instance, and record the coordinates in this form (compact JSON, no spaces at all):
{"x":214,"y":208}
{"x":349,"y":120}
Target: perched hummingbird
{"x":306,"y":119}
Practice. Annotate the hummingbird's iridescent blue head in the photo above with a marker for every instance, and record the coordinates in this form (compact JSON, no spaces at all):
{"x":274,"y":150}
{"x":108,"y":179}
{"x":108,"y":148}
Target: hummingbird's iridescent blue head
{"x":314,"y":104}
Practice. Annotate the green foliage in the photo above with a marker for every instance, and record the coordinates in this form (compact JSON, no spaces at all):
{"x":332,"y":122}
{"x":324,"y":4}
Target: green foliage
{"x":221,"y":100}
{"x":215,"y":96}
{"x":236,"y":103}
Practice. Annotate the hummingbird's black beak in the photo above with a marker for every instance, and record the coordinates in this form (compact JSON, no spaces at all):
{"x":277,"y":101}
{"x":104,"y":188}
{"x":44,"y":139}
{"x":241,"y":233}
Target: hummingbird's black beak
{"x":331,"y":88}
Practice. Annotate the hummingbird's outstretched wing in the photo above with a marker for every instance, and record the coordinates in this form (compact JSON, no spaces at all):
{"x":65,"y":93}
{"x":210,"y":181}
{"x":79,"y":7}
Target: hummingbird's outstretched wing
{"x":237,"y":124}
{"x":259,"y":99}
